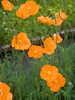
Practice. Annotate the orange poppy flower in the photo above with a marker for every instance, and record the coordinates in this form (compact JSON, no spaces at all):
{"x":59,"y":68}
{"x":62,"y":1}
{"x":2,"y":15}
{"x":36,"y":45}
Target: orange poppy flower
{"x":61,"y":14}
{"x":5,"y":92}
{"x":57,"y":38}
{"x":57,"y":83}
{"x":27,"y":9}
{"x":7,"y":5}
{"x":21,"y":42}
{"x":42,"y":19}
{"x":35,"y":51}
{"x":49,"y":72}
{"x":49,"y":46}
{"x":57,"y":21}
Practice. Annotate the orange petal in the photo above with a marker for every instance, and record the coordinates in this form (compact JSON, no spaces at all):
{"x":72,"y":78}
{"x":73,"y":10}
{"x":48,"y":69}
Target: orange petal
{"x":58,"y":21}
{"x":42,"y":19}
{"x":22,"y":12}
{"x":4,"y":86}
{"x":61,"y":14}
{"x":50,"y":21}
{"x":9,"y":96}
{"x":55,"y":88}
{"x":47,"y":51}
{"x":36,"y":9}
{"x":13,"y":41}
{"x":57,"y":38}
{"x":16,"y":46}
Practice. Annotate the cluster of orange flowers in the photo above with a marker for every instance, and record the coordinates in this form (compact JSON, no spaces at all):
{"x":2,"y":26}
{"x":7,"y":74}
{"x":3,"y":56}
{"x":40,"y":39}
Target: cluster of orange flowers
{"x":31,"y":8}
{"x":59,"y":17}
{"x":25,"y":10}
{"x":49,"y":47}
{"x":55,"y":80}
{"x":5,"y":93}
{"x":21,"y":42}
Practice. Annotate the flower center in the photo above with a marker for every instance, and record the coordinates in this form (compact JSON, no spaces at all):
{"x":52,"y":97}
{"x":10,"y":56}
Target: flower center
{"x":20,"y":41}
{"x":47,"y":44}
{"x":49,"y":72}
{"x":35,"y":51}
{"x":56,"y":81}
{"x":47,"y":18}
{"x":6,"y":5}
{"x":29,"y":8}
